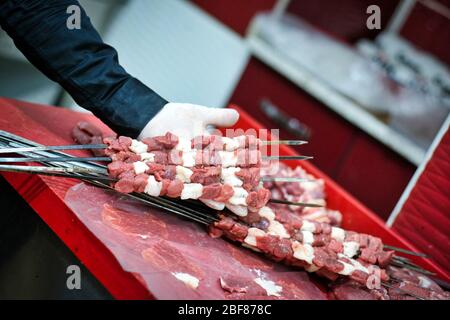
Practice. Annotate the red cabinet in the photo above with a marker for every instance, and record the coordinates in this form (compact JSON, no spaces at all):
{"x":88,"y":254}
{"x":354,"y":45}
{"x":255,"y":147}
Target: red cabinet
{"x":374,"y":174}
{"x":236,"y":14}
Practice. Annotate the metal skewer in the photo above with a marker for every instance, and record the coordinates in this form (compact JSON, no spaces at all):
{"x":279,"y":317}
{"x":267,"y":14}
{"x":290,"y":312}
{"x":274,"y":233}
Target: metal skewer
{"x":277,"y":158}
{"x":167,"y":205}
{"x":385,"y":284}
{"x":406,"y":251}
{"x":285,"y":142}
{"x":65,"y":175}
{"x":302,"y":204}
{"x":80,"y":173}
{"x":38,"y":169}
{"x":104,"y":146}
{"x":414,"y":268}
{"x":53,"y":148}
{"x":57,"y":159}
{"x":285,"y":179}
{"x":104,"y":159}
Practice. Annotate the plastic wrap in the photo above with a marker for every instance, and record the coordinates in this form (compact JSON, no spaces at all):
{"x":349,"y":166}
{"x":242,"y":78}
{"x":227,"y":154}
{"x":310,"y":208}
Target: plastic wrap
{"x":413,"y":104}
{"x":160,"y":249}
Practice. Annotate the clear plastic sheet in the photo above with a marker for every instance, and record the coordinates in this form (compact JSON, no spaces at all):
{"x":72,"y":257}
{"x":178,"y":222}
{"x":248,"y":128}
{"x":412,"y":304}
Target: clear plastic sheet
{"x":415,"y":108}
{"x":157,"y":245}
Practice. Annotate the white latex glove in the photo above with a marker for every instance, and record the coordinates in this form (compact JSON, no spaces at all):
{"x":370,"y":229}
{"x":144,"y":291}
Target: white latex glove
{"x":188,"y":120}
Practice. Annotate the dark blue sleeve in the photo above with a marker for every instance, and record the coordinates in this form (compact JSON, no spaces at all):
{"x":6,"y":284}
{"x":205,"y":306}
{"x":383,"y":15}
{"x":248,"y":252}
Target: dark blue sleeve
{"x":78,"y":59}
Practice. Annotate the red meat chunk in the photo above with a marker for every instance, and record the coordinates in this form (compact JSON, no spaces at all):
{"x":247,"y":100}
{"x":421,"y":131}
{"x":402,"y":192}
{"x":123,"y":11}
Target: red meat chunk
{"x":175,"y":157}
{"x":125,"y":185}
{"x":238,"y":231}
{"x":225,"y":223}
{"x":250,"y":177}
{"x":161,"y":157}
{"x":384,"y":258}
{"x":206,"y":176}
{"x":211,"y":191}
{"x":160,"y":143}
{"x":175,"y":188}
{"x":140,"y":182}
{"x":168,"y":141}
{"x":226,"y":192}
{"x":258,"y":199}
{"x":116,"y":168}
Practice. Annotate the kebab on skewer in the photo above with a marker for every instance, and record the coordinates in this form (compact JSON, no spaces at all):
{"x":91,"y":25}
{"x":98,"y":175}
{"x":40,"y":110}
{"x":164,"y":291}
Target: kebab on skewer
{"x":330,"y":260}
{"x":92,"y":173}
{"x":315,"y":247}
{"x":221,"y":172}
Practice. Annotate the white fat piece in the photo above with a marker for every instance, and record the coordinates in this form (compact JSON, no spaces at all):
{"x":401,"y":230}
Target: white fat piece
{"x":230,"y":144}
{"x":240,"y":140}
{"x":250,"y":247}
{"x":308,"y":226}
{"x":138,"y":147}
{"x":304,"y":252}
{"x":228,"y":159}
{"x":153,"y":187}
{"x":188,"y":279}
{"x":312,"y":268}
{"x":213,"y":204}
{"x":350,"y":248}
{"x":359,"y":266}
{"x":140,"y":167}
{"x":239,"y":197}
{"x":425,"y":282}
{"x":148,"y":156}
{"x":241,"y":211}
{"x":277,"y":229}
{"x":308,"y":237}
{"x":228,"y":176}
{"x":184,"y":174}
{"x":252,"y":234}
{"x":267,"y":213}
{"x":338,"y":234}
{"x":183,"y":144}
{"x":188,"y":158}
{"x":271,"y":288}
{"x":354,"y":263}
{"x":191,"y":191}
{"x":348,"y":269}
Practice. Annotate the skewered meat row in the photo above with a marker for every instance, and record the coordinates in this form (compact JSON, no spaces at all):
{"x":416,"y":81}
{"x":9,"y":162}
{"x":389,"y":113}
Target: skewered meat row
{"x":247,"y":178}
{"x":298,"y":230}
{"x":326,"y":261}
{"x":194,"y":158}
{"x":172,"y":168}
{"x":133,"y":180}
{"x":317,"y":234}
{"x":309,"y":192}
{"x":86,"y":133}
{"x":319,"y":237}
{"x":206,"y":187}
{"x":173,"y":142}
{"x":406,"y":285}
{"x":175,"y":184}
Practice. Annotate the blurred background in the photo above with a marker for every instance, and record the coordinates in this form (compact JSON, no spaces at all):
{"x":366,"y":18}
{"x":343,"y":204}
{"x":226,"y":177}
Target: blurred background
{"x":370,"y":101}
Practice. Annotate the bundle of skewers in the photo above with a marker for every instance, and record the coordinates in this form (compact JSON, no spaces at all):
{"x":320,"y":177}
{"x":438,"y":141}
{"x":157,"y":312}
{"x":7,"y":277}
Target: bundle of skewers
{"x":217,"y":181}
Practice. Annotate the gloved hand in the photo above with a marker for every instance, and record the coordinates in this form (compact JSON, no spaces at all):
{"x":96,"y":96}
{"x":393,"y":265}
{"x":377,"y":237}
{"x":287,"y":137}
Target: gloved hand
{"x":188,"y":120}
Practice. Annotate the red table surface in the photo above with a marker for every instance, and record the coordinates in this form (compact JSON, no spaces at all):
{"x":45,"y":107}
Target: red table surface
{"x":51,"y":126}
